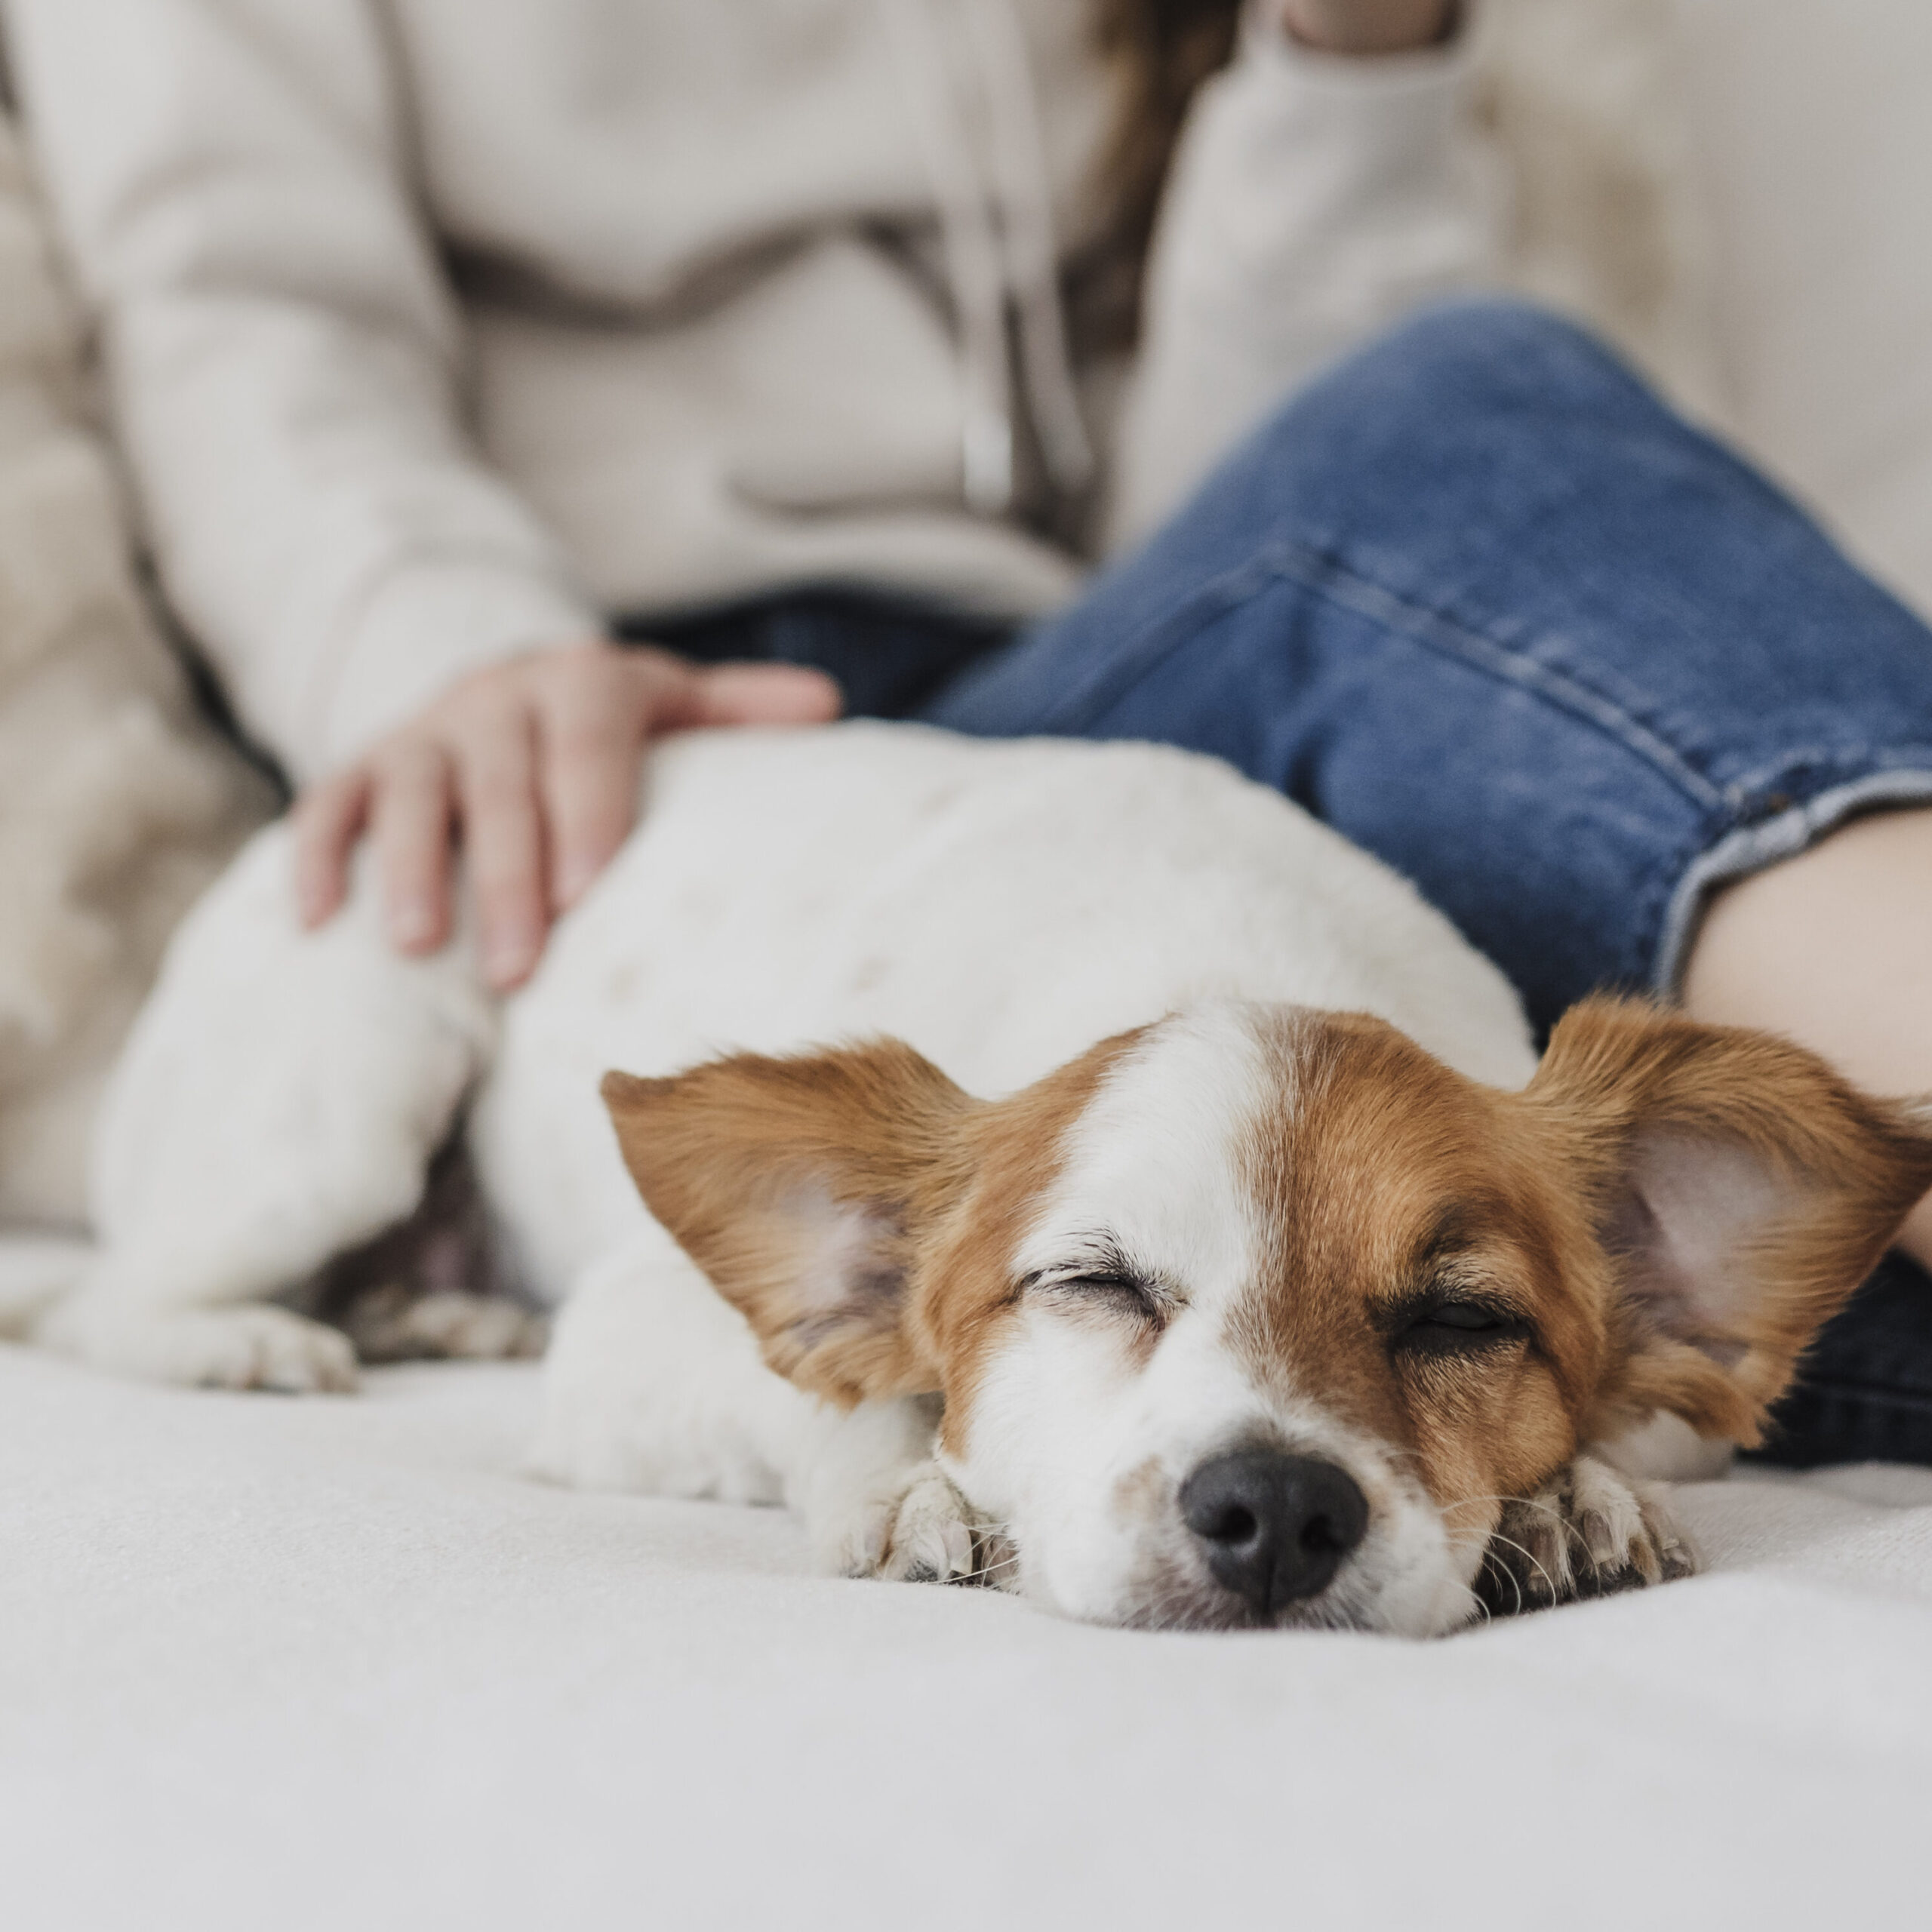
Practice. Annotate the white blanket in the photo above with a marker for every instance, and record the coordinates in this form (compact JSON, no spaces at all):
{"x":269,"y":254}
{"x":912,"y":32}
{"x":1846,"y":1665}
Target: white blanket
{"x":333,"y":1664}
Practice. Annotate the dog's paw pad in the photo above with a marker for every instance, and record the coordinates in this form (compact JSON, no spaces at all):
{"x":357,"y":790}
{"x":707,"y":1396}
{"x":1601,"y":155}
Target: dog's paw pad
{"x":1628,"y":1537}
{"x":1589,"y":1532}
{"x":923,"y":1533}
{"x":253,"y":1347}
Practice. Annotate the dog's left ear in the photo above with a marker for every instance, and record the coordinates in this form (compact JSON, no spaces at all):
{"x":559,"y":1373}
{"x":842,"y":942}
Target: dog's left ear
{"x":1741,"y":1190}
{"x":801,"y":1186}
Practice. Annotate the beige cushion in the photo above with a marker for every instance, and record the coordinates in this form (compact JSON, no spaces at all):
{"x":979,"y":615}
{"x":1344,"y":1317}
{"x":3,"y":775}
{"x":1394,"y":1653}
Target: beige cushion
{"x":1586,"y":101}
{"x":116,"y":806}
{"x":1812,"y":127}
{"x":1736,"y":191}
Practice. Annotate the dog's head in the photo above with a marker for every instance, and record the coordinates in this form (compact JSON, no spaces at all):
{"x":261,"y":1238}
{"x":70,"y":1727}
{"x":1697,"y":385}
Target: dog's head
{"x":1257,"y":1314}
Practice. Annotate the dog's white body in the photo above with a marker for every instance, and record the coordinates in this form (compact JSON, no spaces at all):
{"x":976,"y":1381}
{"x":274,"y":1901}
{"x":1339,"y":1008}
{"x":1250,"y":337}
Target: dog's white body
{"x":1000,"y":906}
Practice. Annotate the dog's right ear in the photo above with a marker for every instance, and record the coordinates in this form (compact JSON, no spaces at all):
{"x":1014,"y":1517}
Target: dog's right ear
{"x":801,"y":1187}
{"x":1742,"y":1191}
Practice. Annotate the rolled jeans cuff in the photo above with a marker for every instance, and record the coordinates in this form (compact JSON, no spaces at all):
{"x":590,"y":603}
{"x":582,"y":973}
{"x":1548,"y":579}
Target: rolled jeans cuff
{"x":1791,"y":827}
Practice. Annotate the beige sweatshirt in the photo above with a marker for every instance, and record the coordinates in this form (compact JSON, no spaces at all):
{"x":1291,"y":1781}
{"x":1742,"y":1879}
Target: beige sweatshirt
{"x":439,"y":330}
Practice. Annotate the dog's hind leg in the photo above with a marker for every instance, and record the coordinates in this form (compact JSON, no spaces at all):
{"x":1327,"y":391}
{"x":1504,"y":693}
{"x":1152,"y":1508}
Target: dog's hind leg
{"x":441,"y":1286}
{"x":278,"y":1102}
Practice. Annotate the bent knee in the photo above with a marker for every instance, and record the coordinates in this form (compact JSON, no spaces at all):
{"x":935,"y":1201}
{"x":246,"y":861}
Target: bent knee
{"x":1499,"y":342}
{"x":1474,"y":359}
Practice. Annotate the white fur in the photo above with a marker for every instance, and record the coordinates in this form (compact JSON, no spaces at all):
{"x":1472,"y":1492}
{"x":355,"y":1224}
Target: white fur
{"x":277,"y":1102}
{"x":1001,"y":907}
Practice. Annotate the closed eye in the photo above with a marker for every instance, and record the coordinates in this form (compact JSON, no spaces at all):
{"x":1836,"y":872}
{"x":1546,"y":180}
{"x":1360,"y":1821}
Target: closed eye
{"x":1118,"y":1290}
{"x":1456,"y":1325}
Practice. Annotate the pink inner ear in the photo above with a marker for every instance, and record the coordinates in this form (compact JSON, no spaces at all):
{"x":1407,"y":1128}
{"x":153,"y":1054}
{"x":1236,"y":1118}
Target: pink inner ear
{"x":847,"y":1263}
{"x":1693,"y":1210}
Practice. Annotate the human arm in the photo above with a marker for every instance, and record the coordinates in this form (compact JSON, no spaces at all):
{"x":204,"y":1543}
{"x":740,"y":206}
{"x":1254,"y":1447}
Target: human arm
{"x":289,"y":367}
{"x":1313,"y":200}
{"x":287,"y":362}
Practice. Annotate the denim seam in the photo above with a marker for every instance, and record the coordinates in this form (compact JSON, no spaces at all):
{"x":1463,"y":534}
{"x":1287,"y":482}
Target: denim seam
{"x":1086,"y":699}
{"x":1325,"y":577}
{"x":1656,"y":895}
{"x":1435,"y":631}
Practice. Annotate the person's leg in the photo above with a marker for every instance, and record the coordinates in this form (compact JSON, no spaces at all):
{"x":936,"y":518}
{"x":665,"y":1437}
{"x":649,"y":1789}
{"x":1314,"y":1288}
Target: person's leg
{"x":1833,"y":948}
{"x":1478,"y":601}
{"x":1830,"y":947}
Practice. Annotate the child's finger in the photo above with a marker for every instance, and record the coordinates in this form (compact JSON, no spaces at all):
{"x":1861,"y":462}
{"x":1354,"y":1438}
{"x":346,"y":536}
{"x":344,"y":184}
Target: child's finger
{"x":410,"y":828}
{"x":503,"y":847}
{"x":328,"y":820}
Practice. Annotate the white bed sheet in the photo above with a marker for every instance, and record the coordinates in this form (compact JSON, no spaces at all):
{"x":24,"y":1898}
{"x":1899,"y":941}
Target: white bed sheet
{"x":331,"y":1663}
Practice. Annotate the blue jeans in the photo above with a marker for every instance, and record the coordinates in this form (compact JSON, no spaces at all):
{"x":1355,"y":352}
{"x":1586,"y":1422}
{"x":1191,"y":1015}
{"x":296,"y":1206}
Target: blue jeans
{"x":1478,"y":599}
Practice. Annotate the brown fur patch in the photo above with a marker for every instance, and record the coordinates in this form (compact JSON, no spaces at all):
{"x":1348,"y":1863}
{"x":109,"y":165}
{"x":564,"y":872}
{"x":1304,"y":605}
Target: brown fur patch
{"x":1380,"y":1174}
{"x":753,"y":1163}
{"x":1848,"y":1167}
{"x":749,"y":1161}
{"x":1385,"y":1179}
{"x":1160,"y":52}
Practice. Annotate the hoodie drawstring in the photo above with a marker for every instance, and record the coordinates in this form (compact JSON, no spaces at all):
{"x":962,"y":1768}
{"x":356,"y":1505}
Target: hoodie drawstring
{"x":1026,"y":196}
{"x":998,"y":241}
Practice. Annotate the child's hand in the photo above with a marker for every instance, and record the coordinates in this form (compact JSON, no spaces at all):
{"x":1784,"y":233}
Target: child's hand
{"x":528,"y":770}
{"x":1369,"y":26}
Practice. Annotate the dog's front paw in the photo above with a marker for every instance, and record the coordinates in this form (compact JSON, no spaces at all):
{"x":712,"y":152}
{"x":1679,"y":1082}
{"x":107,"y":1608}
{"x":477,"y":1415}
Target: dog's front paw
{"x":249,"y":1347}
{"x":1588,"y":1532}
{"x":921,"y":1532}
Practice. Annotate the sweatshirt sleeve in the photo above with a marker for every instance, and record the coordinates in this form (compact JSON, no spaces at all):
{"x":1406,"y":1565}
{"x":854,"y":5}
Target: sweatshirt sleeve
{"x":286,"y":360}
{"x":1313,"y":198}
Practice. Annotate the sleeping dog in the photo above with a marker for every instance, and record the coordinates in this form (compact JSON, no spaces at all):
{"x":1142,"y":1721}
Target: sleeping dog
{"x":1065,"y":1165}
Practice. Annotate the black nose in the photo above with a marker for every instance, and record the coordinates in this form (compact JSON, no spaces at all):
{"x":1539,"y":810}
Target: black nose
{"x":1275,"y":1528}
